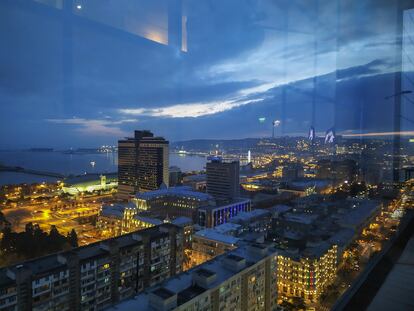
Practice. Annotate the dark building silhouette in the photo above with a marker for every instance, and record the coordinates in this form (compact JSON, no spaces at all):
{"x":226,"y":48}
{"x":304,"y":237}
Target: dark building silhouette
{"x":293,"y":171}
{"x":340,"y":171}
{"x":175,"y":176}
{"x":223,"y":179}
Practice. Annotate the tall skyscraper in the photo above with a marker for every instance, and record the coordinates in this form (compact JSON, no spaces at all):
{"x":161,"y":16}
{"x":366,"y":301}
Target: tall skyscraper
{"x":223,"y":179}
{"x":142,"y":164}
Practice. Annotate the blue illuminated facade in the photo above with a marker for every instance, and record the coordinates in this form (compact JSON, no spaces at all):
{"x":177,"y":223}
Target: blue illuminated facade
{"x":212,"y":216}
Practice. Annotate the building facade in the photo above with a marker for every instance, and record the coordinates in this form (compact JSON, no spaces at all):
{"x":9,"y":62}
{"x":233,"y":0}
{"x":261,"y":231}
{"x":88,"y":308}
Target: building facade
{"x":244,"y":279}
{"x":223,"y":179}
{"x":175,"y":176}
{"x":339,"y":171}
{"x":90,"y":183}
{"x":173,"y":201}
{"x":196,"y":182}
{"x":142,"y":164}
{"x":116,"y":219}
{"x":95,"y":276}
{"x":257,"y":220}
{"x":208,"y":244}
{"x":211,"y":216}
{"x":292,"y":171}
{"x":306,"y":275}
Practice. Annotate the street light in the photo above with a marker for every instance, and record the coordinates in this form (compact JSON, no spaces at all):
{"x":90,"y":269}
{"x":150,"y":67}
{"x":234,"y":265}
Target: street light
{"x":275,"y":123}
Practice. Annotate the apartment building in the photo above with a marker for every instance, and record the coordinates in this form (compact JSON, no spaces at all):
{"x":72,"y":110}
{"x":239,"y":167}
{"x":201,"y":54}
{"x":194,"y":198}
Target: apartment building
{"x":95,"y":276}
{"x":243,"y":279}
{"x":116,"y":219}
{"x":306,"y":274}
{"x":209,"y":243}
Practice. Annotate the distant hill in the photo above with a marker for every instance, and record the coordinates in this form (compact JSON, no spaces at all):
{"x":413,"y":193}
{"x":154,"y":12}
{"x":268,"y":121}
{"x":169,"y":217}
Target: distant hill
{"x":208,"y":144}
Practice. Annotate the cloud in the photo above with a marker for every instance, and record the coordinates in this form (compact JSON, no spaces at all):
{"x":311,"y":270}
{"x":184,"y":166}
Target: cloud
{"x":380,"y":134}
{"x":190,"y":110}
{"x":374,"y":67}
{"x":96,"y":127}
{"x":241,"y":64}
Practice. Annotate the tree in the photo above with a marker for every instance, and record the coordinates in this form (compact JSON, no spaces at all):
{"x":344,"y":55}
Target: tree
{"x":73,"y":238}
{"x":4,"y":223}
{"x":357,"y":188}
{"x":33,"y":242}
{"x":8,"y":240}
{"x":56,"y":240}
{"x":28,"y":228}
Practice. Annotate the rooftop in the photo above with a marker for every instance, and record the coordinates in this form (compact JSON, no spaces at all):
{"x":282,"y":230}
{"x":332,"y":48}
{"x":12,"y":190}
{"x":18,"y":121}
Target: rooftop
{"x":163,"y":293}
{"x":248,"y":216}
{"x":213,"y":235}
{"x":189,"y":293}
{"x":235,"y":257}
{"x":226,"y":228}
{"x":148,"y":220}
{"x":342,"y":237}
{"x":235,"y":201}
{"x":86,"y":178}
{"x":302,"y":218}
{"x":116,"y":210}
{"x":181,"y":191}
{"x":195,"y":178}
{"x":314,"y":252}
{"x":304,"y":183}
{"x":182,"y":221}
{"x":317,"y":251}
{"x":361,"y":211}
{"x":205,"y":272}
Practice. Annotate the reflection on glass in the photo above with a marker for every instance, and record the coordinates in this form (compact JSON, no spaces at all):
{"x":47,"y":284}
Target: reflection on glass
{"x":148,"y":19}
{"x":58,"y":4}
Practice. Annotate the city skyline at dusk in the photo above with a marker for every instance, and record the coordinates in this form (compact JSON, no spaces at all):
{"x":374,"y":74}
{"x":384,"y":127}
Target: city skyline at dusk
{"x":305,"y":69}
{"x":206,"y":155}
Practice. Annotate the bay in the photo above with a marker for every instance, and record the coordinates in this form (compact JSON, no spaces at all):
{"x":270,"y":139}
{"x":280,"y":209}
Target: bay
{"x":76,"y":164}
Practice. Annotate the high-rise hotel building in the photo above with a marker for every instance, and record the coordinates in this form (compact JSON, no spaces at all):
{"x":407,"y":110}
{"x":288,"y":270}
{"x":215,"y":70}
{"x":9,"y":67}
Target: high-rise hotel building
{"x":142,"y":164}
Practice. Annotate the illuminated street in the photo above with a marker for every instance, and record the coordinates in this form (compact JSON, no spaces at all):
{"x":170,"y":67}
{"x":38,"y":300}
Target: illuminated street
{"x":79,"y":214}
{"x":373,"y":238}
